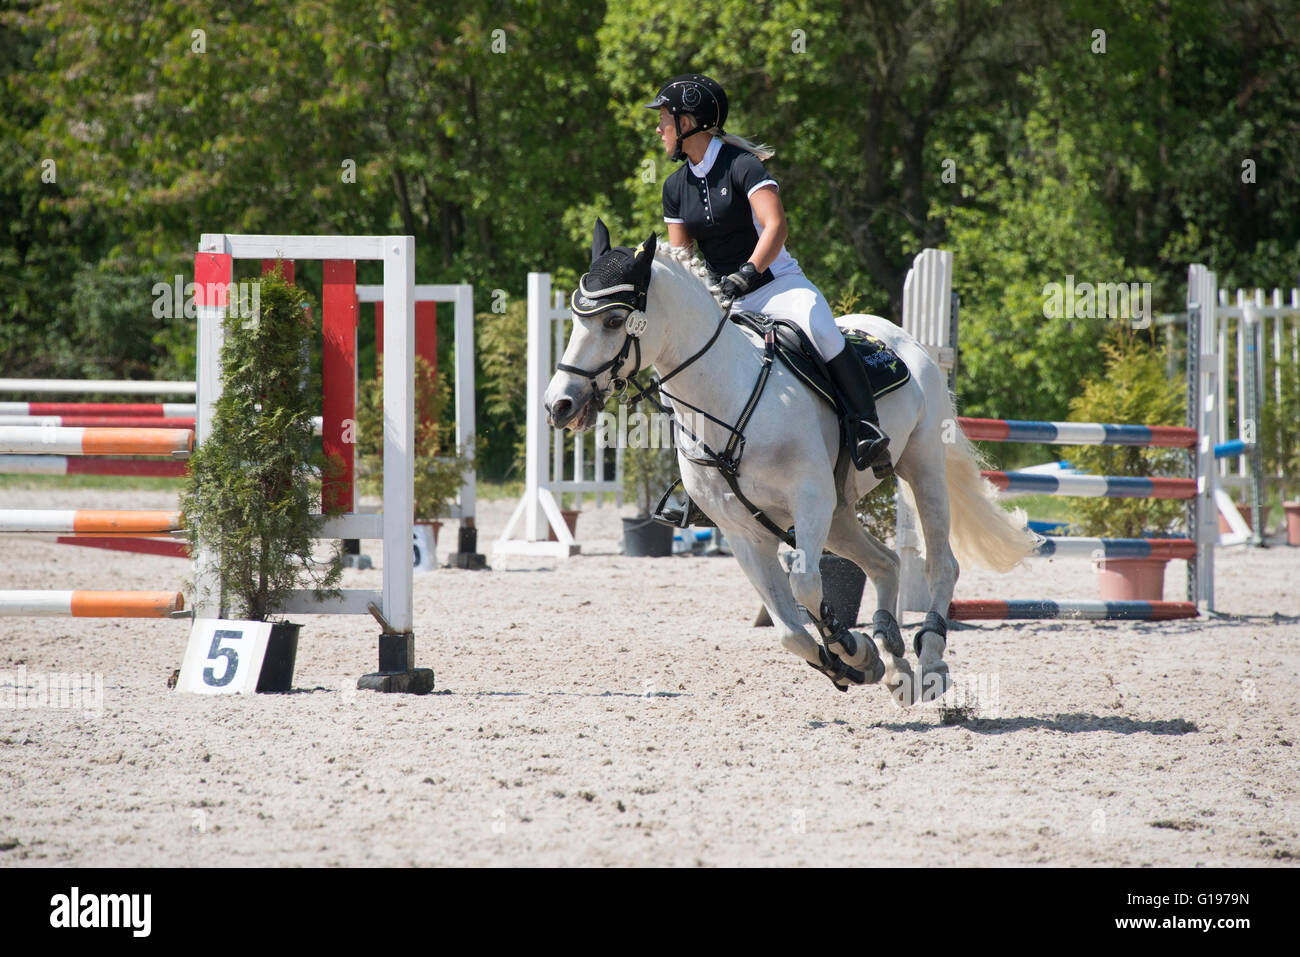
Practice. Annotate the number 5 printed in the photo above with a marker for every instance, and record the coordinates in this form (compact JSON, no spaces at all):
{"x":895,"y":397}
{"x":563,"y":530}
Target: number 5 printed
{"x":231,"y":656}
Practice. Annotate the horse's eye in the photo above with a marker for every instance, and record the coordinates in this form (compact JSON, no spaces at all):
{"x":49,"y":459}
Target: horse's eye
{"x":614,"y":320}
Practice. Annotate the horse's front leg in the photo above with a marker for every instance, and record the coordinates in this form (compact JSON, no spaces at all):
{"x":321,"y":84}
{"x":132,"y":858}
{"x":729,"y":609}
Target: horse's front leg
{"x":758,"y":560}
{"x":813,"y":506}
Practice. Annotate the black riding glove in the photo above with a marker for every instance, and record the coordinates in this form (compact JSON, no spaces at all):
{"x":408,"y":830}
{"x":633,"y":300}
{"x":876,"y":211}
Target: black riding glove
{"x":739,"y":282}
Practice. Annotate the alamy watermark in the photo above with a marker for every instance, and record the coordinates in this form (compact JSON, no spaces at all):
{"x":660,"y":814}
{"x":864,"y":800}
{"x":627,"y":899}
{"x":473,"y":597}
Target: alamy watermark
{"x":20,"y":690}
{"x":180,"y":298}
{"x":1103,"y":300}
{"x":643,"y":430}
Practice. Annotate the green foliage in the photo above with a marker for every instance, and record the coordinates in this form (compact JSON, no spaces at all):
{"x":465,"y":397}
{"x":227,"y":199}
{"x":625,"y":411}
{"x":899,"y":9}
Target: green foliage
{"x":501,"y":344}
{"x":1131,"y":389}
{"x":1038,"y":225}
{"x":877,"y":510}
{"x":439,"y":466}
{"x":251,"y":489}
{"x":1279,"y":427}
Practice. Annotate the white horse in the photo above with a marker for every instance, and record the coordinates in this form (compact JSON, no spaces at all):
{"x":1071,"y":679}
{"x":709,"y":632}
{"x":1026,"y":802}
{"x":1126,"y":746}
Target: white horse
{"x":650,"y":308}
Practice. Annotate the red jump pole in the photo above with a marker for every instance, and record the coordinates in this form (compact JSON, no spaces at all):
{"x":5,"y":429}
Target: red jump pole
{"x":338,"y":380}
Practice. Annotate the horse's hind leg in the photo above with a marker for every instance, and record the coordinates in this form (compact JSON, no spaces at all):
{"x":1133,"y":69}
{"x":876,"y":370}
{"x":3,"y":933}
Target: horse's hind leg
{"x":848,"y":538}
{"x":922,"y":467}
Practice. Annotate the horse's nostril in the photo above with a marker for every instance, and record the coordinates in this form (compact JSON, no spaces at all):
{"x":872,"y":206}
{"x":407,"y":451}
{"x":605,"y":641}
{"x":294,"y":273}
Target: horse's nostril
{"x":560,"y":410}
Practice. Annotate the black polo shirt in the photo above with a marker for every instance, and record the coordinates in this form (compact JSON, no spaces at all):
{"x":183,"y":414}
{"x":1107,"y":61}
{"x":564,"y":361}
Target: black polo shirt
{"x":715,"y":208}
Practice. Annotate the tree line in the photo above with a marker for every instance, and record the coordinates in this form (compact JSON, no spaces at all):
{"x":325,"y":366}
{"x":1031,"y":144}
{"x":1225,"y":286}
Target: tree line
{"x":1106,"y":140}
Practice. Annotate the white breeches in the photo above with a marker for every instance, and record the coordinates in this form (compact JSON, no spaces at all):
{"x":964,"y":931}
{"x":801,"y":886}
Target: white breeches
{"x":794,"y":297}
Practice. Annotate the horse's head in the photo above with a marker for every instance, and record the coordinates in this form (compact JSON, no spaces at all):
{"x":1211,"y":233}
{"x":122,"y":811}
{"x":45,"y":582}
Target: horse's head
{"x":611,"y":337}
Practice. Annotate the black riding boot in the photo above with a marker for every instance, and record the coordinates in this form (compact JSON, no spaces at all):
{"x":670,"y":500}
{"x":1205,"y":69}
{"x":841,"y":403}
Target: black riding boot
{"x":681,"y":517}
{"x":868,"y":444}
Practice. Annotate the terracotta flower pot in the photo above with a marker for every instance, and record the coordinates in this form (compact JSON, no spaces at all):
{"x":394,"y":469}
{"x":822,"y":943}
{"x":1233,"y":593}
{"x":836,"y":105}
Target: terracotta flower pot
{"x":1131,"y":579}
{"x":570,"y":516}
{"x":1247,"y":516}
{"x":1292,"y":510}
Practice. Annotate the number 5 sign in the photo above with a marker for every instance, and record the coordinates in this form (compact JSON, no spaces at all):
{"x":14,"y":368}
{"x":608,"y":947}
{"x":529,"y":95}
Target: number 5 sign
{"x":224,"y":657}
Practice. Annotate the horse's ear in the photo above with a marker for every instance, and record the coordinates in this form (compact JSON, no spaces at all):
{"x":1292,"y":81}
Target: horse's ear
{"x":645,"y":253}
{"x":599,"y":241}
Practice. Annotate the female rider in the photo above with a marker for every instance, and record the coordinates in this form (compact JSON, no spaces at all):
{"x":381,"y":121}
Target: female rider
{"x":724,"y":202}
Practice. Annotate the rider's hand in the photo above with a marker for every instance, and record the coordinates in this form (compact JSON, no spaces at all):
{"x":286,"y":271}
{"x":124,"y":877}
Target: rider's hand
{"x":739,"y":282}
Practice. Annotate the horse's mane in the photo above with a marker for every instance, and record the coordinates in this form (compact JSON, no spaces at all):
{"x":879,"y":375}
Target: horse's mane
{"x":692,"y":269}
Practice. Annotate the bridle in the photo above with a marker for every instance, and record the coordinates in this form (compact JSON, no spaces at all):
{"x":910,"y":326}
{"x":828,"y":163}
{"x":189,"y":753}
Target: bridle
{"x":586,"y":304}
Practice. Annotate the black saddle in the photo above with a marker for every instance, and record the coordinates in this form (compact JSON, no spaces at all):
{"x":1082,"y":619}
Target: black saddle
{"x":885,"y":370}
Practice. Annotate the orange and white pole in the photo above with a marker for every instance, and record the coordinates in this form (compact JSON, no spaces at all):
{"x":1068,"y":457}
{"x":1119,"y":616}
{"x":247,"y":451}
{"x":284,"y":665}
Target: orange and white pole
{"x":51,"y":440}
{"x":92,"y":604}
{"x":89,"y":521}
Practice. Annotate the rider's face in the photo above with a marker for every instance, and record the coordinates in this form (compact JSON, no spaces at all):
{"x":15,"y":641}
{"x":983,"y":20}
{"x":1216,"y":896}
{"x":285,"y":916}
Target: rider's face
{"x":666,"y":132}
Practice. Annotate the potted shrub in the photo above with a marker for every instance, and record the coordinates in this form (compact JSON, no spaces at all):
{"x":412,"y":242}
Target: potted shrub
{"x":439,"y":465}
{"x":253,"y":484}
{"x":1279,"y":442}
{"x":1132,"y":388}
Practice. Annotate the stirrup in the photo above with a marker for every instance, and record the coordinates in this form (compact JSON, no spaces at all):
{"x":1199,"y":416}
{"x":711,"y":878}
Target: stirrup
{"x":871,"y":451}
{"x":678,"y":517}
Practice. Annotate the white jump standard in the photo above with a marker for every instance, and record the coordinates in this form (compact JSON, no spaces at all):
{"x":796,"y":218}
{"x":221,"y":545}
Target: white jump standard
{"x":394,"y":604}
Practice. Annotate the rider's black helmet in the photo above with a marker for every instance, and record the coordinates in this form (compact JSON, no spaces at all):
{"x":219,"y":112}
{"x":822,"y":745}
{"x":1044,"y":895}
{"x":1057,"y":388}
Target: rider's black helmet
{"x":696,"y":94}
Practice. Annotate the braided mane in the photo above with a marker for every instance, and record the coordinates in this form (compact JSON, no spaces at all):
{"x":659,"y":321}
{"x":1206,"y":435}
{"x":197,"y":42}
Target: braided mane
{"x":677,"y":257}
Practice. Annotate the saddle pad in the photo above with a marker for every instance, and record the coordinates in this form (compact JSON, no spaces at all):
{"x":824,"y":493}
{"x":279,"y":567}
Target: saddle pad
{"x":885,"y":370}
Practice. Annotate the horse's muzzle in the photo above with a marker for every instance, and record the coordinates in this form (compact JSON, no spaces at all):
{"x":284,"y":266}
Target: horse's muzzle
{"x":566,"y":414}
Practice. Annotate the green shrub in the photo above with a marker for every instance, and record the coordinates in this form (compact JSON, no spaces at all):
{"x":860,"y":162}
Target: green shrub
{"x":1279,"y":428}
{"x":502,"y":347}
{"x":1132,"y":389}
{"x":252,"y":487}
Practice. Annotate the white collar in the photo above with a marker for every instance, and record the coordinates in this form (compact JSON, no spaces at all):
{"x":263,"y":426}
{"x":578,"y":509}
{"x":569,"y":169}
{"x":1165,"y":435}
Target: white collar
{"x":710,"y":155}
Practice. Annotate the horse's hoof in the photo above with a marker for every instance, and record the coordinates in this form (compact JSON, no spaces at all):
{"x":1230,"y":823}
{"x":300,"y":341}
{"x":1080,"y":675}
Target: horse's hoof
{"x":876,"y":671}
{"x":935,"y":681}
{"x":841,"y":675}
{"x":901,"y":682}
{"x":887,"y":634}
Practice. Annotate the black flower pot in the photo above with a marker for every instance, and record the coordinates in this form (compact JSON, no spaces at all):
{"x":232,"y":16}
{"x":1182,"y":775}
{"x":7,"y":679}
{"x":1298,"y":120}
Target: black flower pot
{"x":646,"y":538}
{"x":281,"y":652}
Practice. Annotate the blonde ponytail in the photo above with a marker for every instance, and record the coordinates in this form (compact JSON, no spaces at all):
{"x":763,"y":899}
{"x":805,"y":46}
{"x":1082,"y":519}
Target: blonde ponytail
{"x":761,"y":150}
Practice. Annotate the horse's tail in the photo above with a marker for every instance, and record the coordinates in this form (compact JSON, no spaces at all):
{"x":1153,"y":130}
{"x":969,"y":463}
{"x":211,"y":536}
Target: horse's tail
{"x":982,"y":532}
